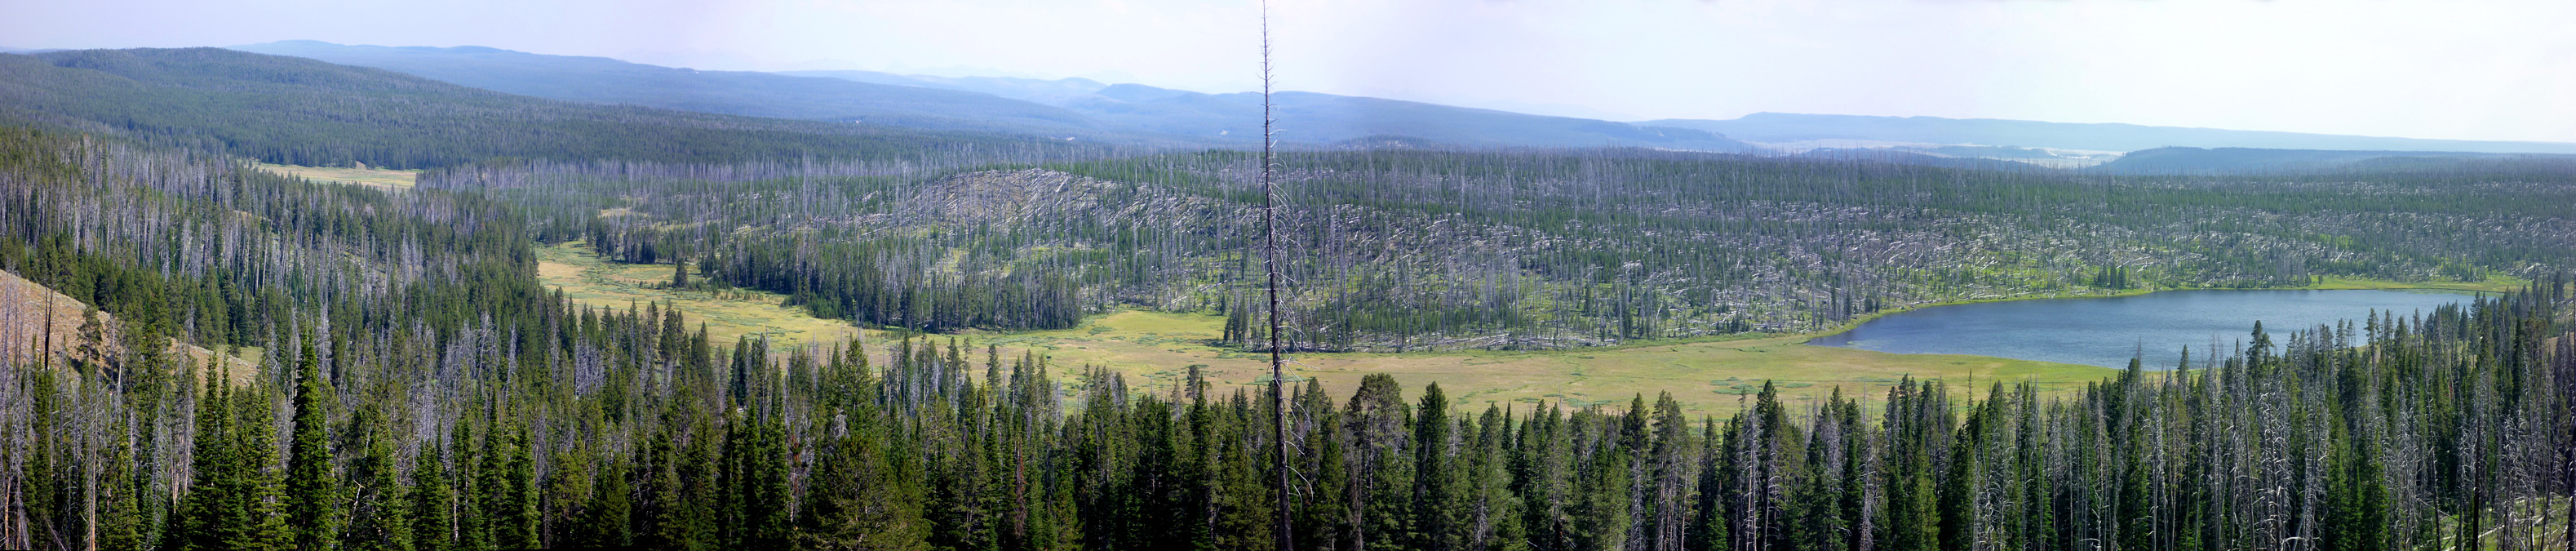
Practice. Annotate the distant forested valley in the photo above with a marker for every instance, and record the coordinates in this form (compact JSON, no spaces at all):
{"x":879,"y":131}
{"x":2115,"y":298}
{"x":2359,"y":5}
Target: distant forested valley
{"x":205,"y":354}
{"x":1413,"y":250}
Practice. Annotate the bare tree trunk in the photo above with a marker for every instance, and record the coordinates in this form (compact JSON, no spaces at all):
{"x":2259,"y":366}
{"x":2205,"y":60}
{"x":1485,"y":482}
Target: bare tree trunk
{"x":1270,"y":264}
{"x":2567,"y":456}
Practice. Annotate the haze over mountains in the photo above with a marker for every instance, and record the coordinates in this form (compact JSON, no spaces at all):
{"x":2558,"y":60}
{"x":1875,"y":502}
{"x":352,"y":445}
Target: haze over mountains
{"x":1078,"y":109}
{"x":301,"y":111}
{"x":1789,"y":128}
{"x":446,"y":96}
{"x":1318,"y":118}
{"x":604,"y":80}
{"x":1142,"y":114}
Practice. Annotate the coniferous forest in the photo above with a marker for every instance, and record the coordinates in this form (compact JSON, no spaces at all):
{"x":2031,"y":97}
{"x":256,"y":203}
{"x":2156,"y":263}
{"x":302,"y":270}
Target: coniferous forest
{"x":204,"y":355}
{"x":1543,"y":249}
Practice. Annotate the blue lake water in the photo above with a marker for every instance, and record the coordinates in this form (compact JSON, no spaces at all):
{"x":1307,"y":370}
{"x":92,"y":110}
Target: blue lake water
{"x":2108,"y":331}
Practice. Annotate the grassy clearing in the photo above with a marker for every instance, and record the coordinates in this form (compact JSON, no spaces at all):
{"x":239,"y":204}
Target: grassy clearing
{"x":42,"y":317}
{"x":378,"y":177}
{"x":1155,"y":349}
{"x":2493,"y":284}
{"x":592,"y":281}
{"x":1704,"y":374}
{"x":1707,"y":377}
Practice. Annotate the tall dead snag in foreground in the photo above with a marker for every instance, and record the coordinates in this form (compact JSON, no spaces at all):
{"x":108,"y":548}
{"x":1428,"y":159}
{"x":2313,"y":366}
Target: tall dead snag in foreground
{"x":1270,"y":264}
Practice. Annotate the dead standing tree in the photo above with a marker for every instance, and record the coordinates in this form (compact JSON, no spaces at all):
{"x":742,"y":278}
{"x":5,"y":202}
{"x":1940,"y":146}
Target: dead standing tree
{"x":1270,"y":264}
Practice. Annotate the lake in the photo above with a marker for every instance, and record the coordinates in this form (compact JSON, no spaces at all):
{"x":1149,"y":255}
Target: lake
{"x":2108,"y":331}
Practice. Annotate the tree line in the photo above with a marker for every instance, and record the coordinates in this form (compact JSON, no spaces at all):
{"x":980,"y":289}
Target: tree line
{"x":1510,"y":249}
{"x":2426,"y":431}
{"x":416,"y":397}
{"x":298,"y":111}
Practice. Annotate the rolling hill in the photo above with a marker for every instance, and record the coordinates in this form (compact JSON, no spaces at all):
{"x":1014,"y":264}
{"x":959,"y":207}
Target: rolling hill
{"x":299,"y":111}
{"x":1326,"y":118}
{"x":609,"y":81}
{"x":1130,"y":113}
{"x":1309,"y":117}
{"x":1147,"y":115}
{"x":2237,"y":160}
{"x":607,"y":105}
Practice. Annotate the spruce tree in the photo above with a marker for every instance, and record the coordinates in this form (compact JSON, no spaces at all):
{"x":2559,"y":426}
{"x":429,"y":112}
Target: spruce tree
{"x":477,"y":484}
{"x":1493,"y":513}
{"x":312,"y":493}
{"x":607,"y":519}
{"x":2357,"y":500}
{"x":197,"y":525}
{"x":1601,"y":502}
{"x":856,"y":500}
{"x":766,"y":516}
{"x":256,"y":519}
{"x":380,"y":517}
{"x":1434,"y":506}
{"x":1378,"y":419}
{"x":515,"y":517}
{"x":120,"y":523}
{"x":432,"y":501}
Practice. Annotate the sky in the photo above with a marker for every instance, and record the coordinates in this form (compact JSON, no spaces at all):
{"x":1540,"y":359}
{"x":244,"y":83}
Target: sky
{"x":2457,"y":69}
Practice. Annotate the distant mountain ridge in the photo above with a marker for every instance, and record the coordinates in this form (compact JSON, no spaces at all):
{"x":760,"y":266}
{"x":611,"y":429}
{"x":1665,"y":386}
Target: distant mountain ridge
{"x":1068,"y":108}
{"x":610,"y":81}
{"x":2239,"y":160}
{"x":1307,"y":116}
{"x":293,"y":110}
{"x":1138,"y":114}
{"x":1050,"y":92}
{"x":1788,"y":127}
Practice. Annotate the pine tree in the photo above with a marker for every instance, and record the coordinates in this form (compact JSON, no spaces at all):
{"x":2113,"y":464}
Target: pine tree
{"x":432,"y":501}
{"x":1815,"y":517}
{"x":2357,"y":499}
{"x":1601,"y":502}
{"x":93,"y":346}
{"x":477,"y":485}
{"x":1673,"y":456}
{"x":1711,"y":527}
{"x":1493,"y":517}
{"x":764,"y":466}
{"x":1434,"y":487}
{"x":1326,"y":509}
{"x":856,"y":500}
{"x":515,"y":517}
{"x":197,"y":525}
{"x":256,"y":519}
{"x":120,"y":525}
{"x":607,"y":519}
{"x":312,"y":493}
{"x":379,"y":519}
{"x":1917,"y":419}
{"x":1383,"y":475}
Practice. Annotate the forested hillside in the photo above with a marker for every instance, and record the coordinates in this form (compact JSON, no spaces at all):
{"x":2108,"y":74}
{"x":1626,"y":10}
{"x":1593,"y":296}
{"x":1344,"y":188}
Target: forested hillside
{"x":608,"y":81}
{"x":419,"y":391}
{"x":264,"y":362}
{"x":1090,"y":111}
{"x":302,"y":112}
{"x":1412,"y":250}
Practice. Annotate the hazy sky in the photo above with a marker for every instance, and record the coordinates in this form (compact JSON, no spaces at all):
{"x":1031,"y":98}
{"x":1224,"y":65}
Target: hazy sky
{"x":2465,"y":69}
